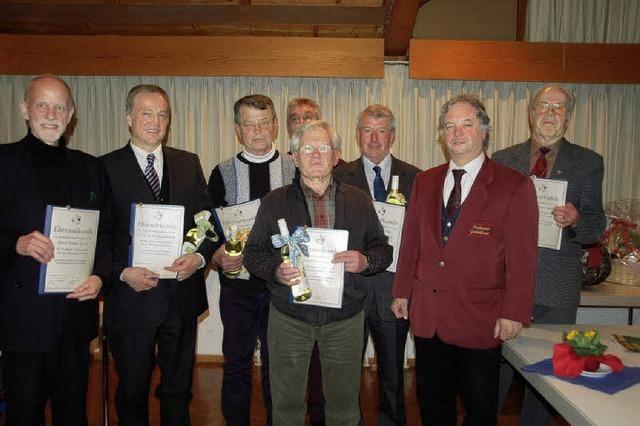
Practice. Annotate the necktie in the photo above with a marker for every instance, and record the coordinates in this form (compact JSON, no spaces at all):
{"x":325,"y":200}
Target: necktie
{"x":455,"y":198}
{"x":379,"y":192}
{"x":152,"y":176}
{"x":540,"y":167}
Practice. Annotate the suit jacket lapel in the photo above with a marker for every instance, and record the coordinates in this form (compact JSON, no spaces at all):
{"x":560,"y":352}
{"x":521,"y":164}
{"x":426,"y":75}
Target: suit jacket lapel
{"x":565,"y":161}
{"x":133,"y":175}
{"x":435,"y":203}
{"x":361,"y":175}
{"x":474,"y":203}
{"x":170,"y":168}
{"x":521,"y":159}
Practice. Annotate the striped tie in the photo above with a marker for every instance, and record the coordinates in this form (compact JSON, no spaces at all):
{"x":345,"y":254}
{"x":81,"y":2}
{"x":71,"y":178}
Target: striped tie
{"x":151,"y":176}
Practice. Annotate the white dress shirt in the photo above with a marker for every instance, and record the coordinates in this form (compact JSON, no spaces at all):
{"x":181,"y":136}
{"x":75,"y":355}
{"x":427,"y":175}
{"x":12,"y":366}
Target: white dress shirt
{"x":472,"y":169}
{"x":385,"y":171}
{"x":141,"y":157}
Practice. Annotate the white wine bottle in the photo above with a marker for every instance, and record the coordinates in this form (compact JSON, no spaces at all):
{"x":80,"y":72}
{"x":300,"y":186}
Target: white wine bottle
{"x":233,"y":247}
{"x":300,"y":291}
{"x":395,"y":196}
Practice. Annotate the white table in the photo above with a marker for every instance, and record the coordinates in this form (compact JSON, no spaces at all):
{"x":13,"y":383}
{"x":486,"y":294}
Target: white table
{"x":577,"y":404}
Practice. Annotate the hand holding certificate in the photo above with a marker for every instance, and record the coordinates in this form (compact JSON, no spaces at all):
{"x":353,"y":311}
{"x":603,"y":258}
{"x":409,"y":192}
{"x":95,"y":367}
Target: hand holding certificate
{"x":73,"y":233}
{"x":156,"y":234}
{"x":551,"y":193}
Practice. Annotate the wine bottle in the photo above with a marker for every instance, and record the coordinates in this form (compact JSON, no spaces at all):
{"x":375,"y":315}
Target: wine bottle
{"x":395,"y":196}
{"x":233,"y":247}
{"x":300,"y":291}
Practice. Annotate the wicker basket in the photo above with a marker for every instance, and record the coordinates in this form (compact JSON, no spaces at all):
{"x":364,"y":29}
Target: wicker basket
{"x":624,"y":273}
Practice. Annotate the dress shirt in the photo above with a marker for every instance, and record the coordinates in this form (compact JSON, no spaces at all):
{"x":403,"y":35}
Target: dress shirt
{"x":550,"y":156}
{"x":385,"y":171}
{"x":141,"y":158}
{"x":472,"y":169}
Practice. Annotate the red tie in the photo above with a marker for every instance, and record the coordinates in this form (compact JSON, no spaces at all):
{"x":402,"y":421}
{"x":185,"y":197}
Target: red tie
{"x":540,"y":167}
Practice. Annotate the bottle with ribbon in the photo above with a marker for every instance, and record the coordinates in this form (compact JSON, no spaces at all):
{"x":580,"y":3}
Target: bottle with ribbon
{"x":234,"y":246}
{"x":395,"y":196}
{"x":293,"y":248}
{"x":203,"y":230}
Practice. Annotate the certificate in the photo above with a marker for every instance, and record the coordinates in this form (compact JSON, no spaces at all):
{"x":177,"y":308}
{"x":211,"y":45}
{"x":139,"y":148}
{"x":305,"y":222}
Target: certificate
{"x":325,"y":278}
{"x":243,"y":216}
{"x":74,"y":233}
{"x":551,"y":193}
{"x":391,"y":217}
{"x":156,"y":237}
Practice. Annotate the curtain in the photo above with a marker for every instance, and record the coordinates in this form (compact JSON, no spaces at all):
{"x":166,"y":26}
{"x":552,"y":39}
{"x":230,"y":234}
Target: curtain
{"x":583,"y":21}
{"x":606,"y":119}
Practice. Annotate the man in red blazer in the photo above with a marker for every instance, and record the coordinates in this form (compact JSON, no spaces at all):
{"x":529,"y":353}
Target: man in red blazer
{"x":466,"y":271}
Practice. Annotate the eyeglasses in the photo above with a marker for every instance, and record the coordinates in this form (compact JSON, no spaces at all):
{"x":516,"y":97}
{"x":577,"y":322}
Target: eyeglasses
{"x":302,"y":118}
{"x":545,"y":107}
{"x":310,"y":149}
{"x":252,"y":125}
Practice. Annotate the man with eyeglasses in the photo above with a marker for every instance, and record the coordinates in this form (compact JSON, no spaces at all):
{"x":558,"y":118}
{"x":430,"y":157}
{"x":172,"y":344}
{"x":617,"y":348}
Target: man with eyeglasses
{"x":244,"y":303}
{"x":372,"y":172}
{"x":317,"y":200}
{"x":558,"y":282}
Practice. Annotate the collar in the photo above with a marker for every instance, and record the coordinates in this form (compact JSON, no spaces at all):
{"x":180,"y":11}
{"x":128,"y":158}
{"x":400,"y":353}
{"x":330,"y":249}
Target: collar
{"x":553,"y":148}
{"x":259,"y":158}
{"x":472,"y":167}
{"x":384,"y":164}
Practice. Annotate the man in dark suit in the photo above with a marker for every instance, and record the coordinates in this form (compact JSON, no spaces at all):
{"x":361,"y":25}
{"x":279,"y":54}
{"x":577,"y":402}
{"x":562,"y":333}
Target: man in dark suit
{"x":376,"y":134}
{"x":467,"y":263}
{"x":559,"y":281}
{"x":142,"y":311}
{"x":45,"y":338}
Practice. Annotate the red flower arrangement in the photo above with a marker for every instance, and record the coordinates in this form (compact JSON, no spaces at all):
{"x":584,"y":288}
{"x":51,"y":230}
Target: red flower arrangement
{"x":581,"y":351}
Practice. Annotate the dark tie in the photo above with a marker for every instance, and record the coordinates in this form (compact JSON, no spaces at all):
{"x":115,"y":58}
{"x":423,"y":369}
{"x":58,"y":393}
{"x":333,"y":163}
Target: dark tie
{"x":540,"y":167}
{"x":455,"y":198}
{"x":152,"y":176}
{"x":379,"y":192}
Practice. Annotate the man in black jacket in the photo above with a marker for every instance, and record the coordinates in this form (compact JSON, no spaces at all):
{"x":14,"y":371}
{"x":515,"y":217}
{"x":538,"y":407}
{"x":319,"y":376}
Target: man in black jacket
{"x":144,"y":312}
{"x":45,"y":338}
{"x":319,"y":201}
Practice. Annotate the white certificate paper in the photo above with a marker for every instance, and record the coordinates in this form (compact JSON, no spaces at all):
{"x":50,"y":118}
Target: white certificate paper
{"x":243,"y":216}
{"x":74,"y":233}
{"x":156,"y":237}
{"x":551,"y":193}
{"x":391,"y":217}
{"x":325,"y":278}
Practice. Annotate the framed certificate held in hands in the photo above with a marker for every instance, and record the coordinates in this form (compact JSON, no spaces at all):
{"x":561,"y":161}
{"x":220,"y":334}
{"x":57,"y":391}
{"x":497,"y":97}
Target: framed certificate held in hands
{"x":74,"y":233}
{"x":156,"y":237}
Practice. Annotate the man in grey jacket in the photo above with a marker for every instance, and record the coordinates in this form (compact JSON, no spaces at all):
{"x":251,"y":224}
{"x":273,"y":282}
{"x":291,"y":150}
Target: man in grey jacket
{"x":547,"y":154}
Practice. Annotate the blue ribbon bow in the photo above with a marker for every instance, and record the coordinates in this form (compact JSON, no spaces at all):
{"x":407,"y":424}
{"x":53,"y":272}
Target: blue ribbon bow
{"x":296,"y":242}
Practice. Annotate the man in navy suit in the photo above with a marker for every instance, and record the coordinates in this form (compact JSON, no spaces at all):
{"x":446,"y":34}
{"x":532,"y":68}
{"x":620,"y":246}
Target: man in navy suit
{"x":45,"y":338}
{"x":376,"y":134}
{"x":144,"y":312}
{"x":559,"y":281}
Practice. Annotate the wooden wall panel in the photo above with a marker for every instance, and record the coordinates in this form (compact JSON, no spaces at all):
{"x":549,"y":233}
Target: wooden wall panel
{"x":192,"y":56}
{"x":521,"y":61}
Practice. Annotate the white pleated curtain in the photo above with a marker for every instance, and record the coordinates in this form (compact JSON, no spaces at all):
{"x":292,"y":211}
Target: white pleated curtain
{"x":606,"y":119}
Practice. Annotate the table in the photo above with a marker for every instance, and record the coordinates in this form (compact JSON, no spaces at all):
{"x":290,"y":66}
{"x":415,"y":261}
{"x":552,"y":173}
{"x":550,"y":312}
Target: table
{"x":610,"y":295}
{"x":577,"y":404}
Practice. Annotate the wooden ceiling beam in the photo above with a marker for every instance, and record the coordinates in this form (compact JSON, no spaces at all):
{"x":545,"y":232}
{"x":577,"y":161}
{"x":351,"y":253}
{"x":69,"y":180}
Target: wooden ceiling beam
{"x":399,"y":21}
{"x":192,"y":56}
{"x":183,"y":19}
{"x":524,"y":61}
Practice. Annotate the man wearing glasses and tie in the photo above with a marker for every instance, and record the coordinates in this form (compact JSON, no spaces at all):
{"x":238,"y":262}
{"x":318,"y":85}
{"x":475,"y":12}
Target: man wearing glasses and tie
{"x":547,"y":154}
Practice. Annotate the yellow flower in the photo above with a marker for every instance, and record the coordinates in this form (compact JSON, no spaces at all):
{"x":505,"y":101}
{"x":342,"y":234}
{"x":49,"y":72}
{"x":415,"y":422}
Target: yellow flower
{"x":590,"y":334}
{"x":572,"y":334}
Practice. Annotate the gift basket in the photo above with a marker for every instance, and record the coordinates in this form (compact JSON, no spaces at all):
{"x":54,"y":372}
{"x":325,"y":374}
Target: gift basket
{"x":622,"y":240}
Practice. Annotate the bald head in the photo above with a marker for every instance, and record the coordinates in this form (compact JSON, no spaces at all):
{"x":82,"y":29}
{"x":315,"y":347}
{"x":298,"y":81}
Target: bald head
{"x":47,"y":106}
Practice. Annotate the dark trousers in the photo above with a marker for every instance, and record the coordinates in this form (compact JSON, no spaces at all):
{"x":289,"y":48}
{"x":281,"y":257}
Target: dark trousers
{"x":245,"y":317}
{"x":444,"y":370}
{"x":134,"y":356}
{"x":535,"y":410}
{"x":389,"y":339}
{"x":61,"y":375}
{"x":315,"y":398}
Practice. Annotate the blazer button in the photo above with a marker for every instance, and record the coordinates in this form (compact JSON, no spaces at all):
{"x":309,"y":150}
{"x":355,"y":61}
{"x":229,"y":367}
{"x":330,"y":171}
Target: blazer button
{"x":441,"y":264}
{"x":434,"y":290}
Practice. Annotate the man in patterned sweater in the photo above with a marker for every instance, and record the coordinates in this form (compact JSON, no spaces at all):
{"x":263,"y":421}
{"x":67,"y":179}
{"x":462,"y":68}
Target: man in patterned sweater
{"x":244,"y":303}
